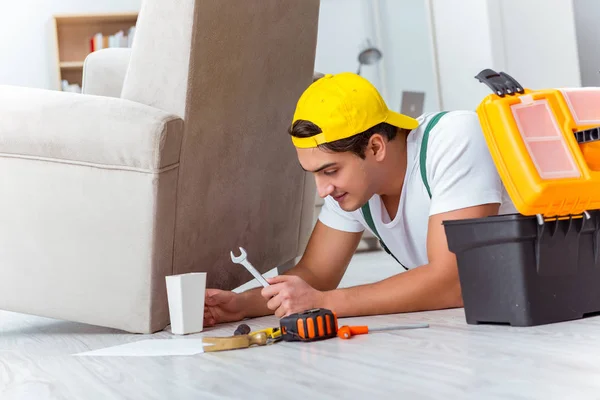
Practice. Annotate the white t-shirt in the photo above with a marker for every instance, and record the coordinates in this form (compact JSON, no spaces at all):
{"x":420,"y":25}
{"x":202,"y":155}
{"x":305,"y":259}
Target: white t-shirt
{"x":460,"y":173}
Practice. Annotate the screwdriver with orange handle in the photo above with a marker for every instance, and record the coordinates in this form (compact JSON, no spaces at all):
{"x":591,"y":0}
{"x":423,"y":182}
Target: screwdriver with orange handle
{"x":346,"y":332}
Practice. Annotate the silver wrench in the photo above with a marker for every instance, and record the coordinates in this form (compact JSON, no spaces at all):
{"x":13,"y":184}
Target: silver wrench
{"x":243,"y":259}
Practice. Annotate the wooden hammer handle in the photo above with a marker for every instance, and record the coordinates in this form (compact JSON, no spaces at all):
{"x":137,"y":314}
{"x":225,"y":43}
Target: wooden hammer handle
{"x":212,"y":344}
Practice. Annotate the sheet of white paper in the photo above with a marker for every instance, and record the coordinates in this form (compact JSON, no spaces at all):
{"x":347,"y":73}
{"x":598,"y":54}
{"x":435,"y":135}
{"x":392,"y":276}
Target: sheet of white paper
{"x":151,"y":348}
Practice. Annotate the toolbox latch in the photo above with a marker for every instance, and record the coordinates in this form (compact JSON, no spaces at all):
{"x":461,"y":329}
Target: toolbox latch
{"x":559,"y":238}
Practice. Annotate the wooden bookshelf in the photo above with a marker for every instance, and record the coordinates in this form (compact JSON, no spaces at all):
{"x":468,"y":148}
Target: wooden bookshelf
{"x":64,"y":65}
{"x":73,"y":35}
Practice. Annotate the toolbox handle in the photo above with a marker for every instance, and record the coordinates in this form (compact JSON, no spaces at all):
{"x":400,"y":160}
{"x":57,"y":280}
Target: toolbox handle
{"x":500,"y":83}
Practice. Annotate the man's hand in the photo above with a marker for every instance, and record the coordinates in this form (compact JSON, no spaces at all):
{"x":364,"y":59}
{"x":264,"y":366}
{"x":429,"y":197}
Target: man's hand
{"x":222,"y":306}
{"x":289,"y":294}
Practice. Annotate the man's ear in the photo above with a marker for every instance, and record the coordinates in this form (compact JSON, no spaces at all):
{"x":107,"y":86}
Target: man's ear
{"x":377,"y":146}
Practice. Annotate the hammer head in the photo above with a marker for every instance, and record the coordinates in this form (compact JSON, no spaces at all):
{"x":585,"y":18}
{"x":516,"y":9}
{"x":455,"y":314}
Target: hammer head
{"x":239,"y":259}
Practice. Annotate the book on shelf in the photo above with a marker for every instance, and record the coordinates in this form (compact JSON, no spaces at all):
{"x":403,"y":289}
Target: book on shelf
{"x":70,"y":87}
{"x":119,"y":39}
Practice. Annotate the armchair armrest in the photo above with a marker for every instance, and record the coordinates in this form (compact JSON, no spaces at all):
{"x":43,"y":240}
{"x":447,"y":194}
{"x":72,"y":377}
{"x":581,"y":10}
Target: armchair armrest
{"x":83,"y":129}
{"x":104,"y":72}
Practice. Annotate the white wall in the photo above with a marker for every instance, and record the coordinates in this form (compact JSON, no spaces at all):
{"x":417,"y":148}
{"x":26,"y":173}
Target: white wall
{"x":408,"y":60}
{"x":344,"y":27}
{"x":540,"y":42}
{"x":587,"y":20}
{"x":533,"y":41}
{"x":27,"y":48}
{"x":463,"y":37}
{"x":398,"y":28}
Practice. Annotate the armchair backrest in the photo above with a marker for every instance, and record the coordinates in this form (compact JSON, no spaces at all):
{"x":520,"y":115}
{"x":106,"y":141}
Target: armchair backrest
{"x":160,"y":57}
{"x":233,"y":70}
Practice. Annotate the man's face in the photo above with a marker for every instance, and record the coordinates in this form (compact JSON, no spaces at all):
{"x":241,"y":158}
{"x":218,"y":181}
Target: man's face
{"x":343,"y":176}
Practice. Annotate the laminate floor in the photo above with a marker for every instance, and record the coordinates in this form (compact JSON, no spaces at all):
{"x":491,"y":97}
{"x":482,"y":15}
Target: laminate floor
{"x":449,"y":360}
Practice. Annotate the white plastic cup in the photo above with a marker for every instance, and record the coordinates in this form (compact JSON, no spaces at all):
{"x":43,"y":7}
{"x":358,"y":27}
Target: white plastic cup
{"x":185,"y":294}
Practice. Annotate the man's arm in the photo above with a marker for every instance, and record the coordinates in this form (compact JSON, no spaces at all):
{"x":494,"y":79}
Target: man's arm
{"x":322,"y":265}
{"x":427,"y":287}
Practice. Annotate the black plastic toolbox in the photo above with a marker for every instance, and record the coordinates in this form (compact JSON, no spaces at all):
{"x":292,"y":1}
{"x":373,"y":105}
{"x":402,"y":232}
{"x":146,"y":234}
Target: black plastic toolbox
{"x":514,"y":270}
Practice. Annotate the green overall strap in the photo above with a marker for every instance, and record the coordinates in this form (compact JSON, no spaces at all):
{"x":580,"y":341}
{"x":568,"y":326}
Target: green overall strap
{"x":369,"y":218}
{"x":432,"y":122}
{"x":366,"y":209}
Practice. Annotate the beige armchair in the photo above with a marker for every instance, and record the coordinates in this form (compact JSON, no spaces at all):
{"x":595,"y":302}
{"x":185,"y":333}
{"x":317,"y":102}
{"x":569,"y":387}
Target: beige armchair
{"x":176,"y":153}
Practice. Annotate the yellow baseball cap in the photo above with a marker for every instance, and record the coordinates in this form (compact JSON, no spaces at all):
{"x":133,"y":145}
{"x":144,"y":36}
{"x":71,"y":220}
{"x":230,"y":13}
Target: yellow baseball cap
{"x":344,"y":105}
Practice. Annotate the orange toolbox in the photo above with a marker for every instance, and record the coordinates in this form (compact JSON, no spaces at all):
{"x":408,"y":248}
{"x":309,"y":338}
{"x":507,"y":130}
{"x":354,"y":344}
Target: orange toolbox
{"x":541,"y":265}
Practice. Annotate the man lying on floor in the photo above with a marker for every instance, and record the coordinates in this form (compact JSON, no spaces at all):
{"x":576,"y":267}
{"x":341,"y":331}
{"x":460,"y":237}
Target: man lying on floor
{"x":397,"y":176}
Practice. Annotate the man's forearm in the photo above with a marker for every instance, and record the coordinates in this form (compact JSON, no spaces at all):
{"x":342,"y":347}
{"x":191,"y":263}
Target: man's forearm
{"x":420,"y":289}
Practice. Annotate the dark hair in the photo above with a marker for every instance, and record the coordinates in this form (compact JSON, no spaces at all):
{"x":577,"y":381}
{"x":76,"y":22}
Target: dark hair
{"x":356,"y":144}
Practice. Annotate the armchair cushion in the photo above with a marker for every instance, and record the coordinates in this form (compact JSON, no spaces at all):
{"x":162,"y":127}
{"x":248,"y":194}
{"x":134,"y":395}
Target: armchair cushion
{"x":85,"y":129}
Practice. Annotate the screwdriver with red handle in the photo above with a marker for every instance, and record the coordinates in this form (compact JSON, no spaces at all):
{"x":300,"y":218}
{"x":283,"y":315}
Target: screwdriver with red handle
{"x":346,"y":332}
